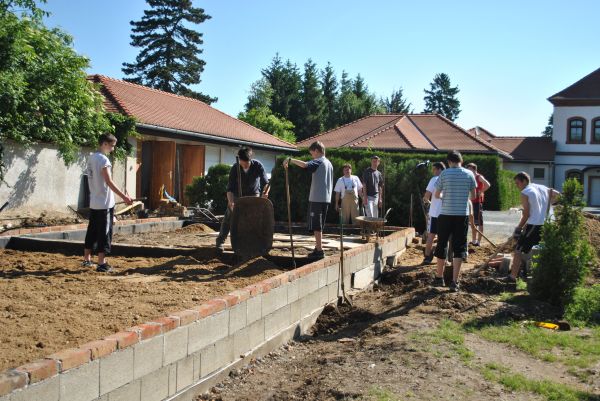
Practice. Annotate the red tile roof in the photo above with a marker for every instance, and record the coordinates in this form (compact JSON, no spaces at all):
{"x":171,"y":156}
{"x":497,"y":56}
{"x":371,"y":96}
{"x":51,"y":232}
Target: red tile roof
{"x":419,"y":132}
{"x":586,"y":91}
{"x":156,"y":108}
{"x":521,"y":148}
{"x":482,"y":133}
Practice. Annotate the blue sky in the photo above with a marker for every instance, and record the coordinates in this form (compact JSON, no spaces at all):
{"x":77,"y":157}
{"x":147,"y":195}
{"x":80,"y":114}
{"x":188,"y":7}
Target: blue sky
{"x":506,"y":57}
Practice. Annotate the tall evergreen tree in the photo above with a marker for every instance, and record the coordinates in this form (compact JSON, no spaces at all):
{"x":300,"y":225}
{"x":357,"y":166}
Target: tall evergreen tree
{"x":330,"y":94}
{"x":547,"y":132}
{"x":260,"y":95}
{"x":170,"y":48}
{"x":286,"y":81}
{"x":359,"y":87}
{"x":441,"y":97}
{"x":397,"y":103}
{"x":313,"y":103}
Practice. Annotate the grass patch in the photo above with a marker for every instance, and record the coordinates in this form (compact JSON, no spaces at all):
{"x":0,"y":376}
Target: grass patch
{"x":452,"y":333}
{"x":381,"y":394}
{"x":521,"y":285}
{"x":575,"y":349}
{"x":549,"y":390}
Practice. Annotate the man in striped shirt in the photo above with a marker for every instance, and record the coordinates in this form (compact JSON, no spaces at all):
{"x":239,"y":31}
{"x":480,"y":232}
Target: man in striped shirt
{"x":457,"y":185}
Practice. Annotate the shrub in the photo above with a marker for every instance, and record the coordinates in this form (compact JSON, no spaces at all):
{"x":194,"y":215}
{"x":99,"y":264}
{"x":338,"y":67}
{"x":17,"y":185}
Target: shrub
{"x":509,"y":193}
{"x":401,"y":178}
{"x":565,"y":252}
{"x":210,"y":191}
{"x":584,"y":308}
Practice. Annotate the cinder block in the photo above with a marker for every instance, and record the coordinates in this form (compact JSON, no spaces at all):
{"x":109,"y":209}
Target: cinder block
{"x":207,"y":331}
{"x":277,"y":321}
{"x":292,"y":291}
{"x":256,"y":333}
{"x":208,"y":360}
{"x":224,"y":352}
{"x":116,"y":370}
{"x":254,"y":311}
{"x":309,"y":304}
{"x":323,"y":296}
{"x":148,"y":356}
{"x":129,"y":392}
{"x":364,"y":277}
{"x":308,"y":284}
{"x":172,"y":379}
{"x":47,"y":390}
{"x":81,"y":384}
{"x":155,"y":386}
{"x":237,"y":317}
{"x":196,"y":366}
{"x":241,"y":342}
{"x":185,"y":372}
{"x":176,"y":345}
{"x":333,"y":273}
{"x":332,"y":292}
{"x":273,"y":300}
{"x":322,"y":277}
{"x":295,"y":311}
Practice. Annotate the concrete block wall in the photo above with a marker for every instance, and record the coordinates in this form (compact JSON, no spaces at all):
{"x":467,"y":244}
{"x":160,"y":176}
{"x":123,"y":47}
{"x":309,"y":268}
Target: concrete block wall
{"x":170,"y":357}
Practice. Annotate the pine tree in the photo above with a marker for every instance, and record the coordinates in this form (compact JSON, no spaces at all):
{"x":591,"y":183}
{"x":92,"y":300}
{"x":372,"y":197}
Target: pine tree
{"x":359,"y":88}
{"x":313,"y":103}
{"x":260,"y":95}
{"x":396,"y":103}
{"x":330,"y":94}
{"x":441,"y":98}
{"x":286,"y":82}
{"x":547,"y":132}
{"x":168,"y":59}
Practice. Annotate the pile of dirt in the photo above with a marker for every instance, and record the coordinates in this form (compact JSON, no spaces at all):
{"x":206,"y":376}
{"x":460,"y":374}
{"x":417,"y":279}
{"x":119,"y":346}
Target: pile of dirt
{"x":195,"y":228}
{"x":592,"y":226}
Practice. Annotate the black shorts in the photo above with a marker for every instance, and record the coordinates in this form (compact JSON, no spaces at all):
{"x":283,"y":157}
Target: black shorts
{"x":317,"y":212}
{"x":100,"y":230}
{"x":456,"y":227}
{"x":531,"y":236}
{"x":478,"y":214}
{"x":433,"y":225}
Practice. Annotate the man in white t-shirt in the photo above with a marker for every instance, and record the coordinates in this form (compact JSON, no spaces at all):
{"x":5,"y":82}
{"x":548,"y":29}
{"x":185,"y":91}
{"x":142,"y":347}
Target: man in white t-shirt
{"x":102,"y":204}
{"x":536,"y":201}
{"x":349,"y":189}
{"x":435,"y":206}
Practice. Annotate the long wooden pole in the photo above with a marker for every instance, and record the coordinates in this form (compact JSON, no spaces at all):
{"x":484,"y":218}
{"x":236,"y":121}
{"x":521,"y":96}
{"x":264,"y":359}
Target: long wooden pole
{"x":239,"y":176}
{"x":289,"y":210}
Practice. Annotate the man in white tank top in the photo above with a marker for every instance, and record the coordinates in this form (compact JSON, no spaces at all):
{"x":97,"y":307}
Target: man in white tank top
{"x":537,"y":203}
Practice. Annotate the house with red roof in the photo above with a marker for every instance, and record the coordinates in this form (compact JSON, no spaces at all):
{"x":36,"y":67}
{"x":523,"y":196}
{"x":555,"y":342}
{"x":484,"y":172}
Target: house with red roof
{"x":531,"y":154}
{"x":181,"y":138}
{"x":576,"y":133}
{"x":422,"y":133}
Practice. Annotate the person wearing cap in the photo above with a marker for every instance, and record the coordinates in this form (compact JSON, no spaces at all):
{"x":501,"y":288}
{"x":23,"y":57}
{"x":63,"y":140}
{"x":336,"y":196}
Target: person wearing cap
{"x":349,"y":189}
{"x":372,"y":181}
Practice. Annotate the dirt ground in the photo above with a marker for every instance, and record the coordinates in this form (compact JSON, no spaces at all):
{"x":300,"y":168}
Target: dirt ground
{"x":49,"y":302}
{"x":382,"y":347}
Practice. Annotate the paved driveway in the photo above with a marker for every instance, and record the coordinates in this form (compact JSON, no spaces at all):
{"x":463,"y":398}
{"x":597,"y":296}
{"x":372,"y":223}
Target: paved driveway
{"x":498,"y":226}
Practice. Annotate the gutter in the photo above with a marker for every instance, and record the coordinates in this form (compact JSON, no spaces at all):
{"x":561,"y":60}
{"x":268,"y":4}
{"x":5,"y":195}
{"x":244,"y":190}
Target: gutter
{"x":213,"y":138}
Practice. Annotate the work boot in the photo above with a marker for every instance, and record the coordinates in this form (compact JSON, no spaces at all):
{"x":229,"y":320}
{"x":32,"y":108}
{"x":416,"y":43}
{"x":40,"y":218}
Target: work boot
{"x":428,"y":260}
{"x":316,"y":254}
{"x":454,"y":286}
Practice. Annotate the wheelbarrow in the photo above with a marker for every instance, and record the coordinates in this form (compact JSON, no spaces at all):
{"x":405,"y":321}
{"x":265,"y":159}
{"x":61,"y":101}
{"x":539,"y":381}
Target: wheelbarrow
{"x":252,"y":226}
{"x":370,"y":225}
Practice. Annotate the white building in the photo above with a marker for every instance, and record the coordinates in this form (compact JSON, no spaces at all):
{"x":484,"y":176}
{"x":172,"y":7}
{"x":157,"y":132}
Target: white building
{"x":576,"y":134}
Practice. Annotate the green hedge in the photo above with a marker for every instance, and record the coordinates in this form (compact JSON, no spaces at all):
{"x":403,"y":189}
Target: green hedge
{"x":509,"y":193}
{"x":401,"y":180}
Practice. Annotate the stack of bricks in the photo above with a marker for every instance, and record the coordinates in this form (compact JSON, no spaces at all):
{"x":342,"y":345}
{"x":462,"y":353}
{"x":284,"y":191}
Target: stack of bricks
{"x":173,"y":355}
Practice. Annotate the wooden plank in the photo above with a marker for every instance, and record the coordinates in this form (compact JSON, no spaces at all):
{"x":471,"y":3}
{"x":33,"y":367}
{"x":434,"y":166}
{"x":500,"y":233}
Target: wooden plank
{"x":163,"y":166}
{"x":192,"y":165}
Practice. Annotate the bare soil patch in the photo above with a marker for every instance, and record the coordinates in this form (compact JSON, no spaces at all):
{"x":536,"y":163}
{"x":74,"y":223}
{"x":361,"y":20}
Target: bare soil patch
{"x":381,"y":348}
{"x":49,"y":302}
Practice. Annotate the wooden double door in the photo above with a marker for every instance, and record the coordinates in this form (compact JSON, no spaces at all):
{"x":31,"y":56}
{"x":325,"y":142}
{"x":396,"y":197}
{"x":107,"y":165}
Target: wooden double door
{"x":170,"y":164}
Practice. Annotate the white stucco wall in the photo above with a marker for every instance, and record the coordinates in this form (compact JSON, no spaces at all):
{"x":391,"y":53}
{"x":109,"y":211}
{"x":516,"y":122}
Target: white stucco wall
{"x":559,"y":132}
{"x":528,"y":168}
{"x":227,"y":154}
{"x":37,"y":179}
